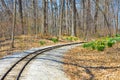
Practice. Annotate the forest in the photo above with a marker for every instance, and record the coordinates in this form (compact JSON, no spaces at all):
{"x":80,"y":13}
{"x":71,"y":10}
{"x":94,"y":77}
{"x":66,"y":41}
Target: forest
{"x":27,"y":26}
{"x":85,"y":19}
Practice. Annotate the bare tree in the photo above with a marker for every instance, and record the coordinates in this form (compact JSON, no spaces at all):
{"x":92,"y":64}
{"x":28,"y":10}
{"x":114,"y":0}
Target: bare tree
{"x":96,"y":16}
{"x":14,"y":24}
{"x":88,"y":19}
{"x":81,"y":18}
{"x":21,"y":15}
{"x":61,"y":17}
{"x":117,"y":17}
{"x":8,"y":11}
{"x":45,"y":16}
{"x":35,"y":15}
{"x":73,"y":33}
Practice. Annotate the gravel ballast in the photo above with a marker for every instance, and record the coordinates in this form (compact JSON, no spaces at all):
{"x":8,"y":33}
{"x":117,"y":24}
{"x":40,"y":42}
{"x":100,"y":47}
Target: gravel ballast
{"x":47,"y":66}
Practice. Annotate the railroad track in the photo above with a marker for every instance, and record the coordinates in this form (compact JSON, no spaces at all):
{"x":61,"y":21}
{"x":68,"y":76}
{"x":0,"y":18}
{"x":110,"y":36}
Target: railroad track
{"x":15,"y":71}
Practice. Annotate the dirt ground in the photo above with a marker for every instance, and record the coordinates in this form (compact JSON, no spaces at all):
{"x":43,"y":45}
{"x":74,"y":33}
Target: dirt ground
{"x":23,"y":43}
{"x":85,"y":64}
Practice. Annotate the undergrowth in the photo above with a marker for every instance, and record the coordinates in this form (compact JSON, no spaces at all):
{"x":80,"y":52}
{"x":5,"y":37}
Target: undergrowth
{"x":42,"y":42}
{"x":54,"y":39}
{"x":71,"y":38}
{"x":102,"y":43}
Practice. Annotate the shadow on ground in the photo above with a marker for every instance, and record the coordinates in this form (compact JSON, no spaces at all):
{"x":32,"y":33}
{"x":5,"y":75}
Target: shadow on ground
{"x":87,"y":69}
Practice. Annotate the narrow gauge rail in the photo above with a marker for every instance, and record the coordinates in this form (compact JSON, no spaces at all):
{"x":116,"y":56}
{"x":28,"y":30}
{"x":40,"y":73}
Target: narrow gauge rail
{"x":16,"y":69}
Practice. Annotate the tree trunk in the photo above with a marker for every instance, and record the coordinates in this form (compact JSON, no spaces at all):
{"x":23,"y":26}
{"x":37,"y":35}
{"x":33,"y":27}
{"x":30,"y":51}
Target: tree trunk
{"x":61,"y":17}
{"x":96,"y":16}
{"x":14,"y":24}
{"x":21,"y":15}
{"x":88,"y":20}
{"x":35,"y":16}
{"x":45,"y":17}
{"x":73,"y":32}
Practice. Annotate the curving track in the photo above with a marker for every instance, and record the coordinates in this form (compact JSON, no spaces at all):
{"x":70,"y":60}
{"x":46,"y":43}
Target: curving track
{"x":17,"y":68}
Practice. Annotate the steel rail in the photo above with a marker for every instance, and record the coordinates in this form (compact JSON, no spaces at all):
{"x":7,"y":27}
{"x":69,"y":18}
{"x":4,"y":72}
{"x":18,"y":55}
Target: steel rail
{"x":36,"y":53}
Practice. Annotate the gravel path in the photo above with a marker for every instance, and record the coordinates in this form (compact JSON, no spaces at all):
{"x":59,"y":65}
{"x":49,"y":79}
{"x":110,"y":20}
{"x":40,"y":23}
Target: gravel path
{"x":47,"y":66}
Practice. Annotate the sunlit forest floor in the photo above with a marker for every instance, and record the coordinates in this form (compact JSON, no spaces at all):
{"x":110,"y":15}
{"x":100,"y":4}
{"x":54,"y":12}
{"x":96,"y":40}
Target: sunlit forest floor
{"x":25,"y":42}
{"x":85,"y":64}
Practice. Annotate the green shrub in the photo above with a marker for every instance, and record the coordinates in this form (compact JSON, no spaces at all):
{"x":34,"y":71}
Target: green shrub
{"x":102,"y":43}
{"x":71,"y":38}
{"x":94,"y":46}
{"x":117,"y":39}
{"x":54,"y":39}
{"x":42,"y":42}
{"x":86,"y":45}
{"x":75,"y":39}
{"x":117,"y":35}
{"x":110,"y":43}
{"x":100,"y":47}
